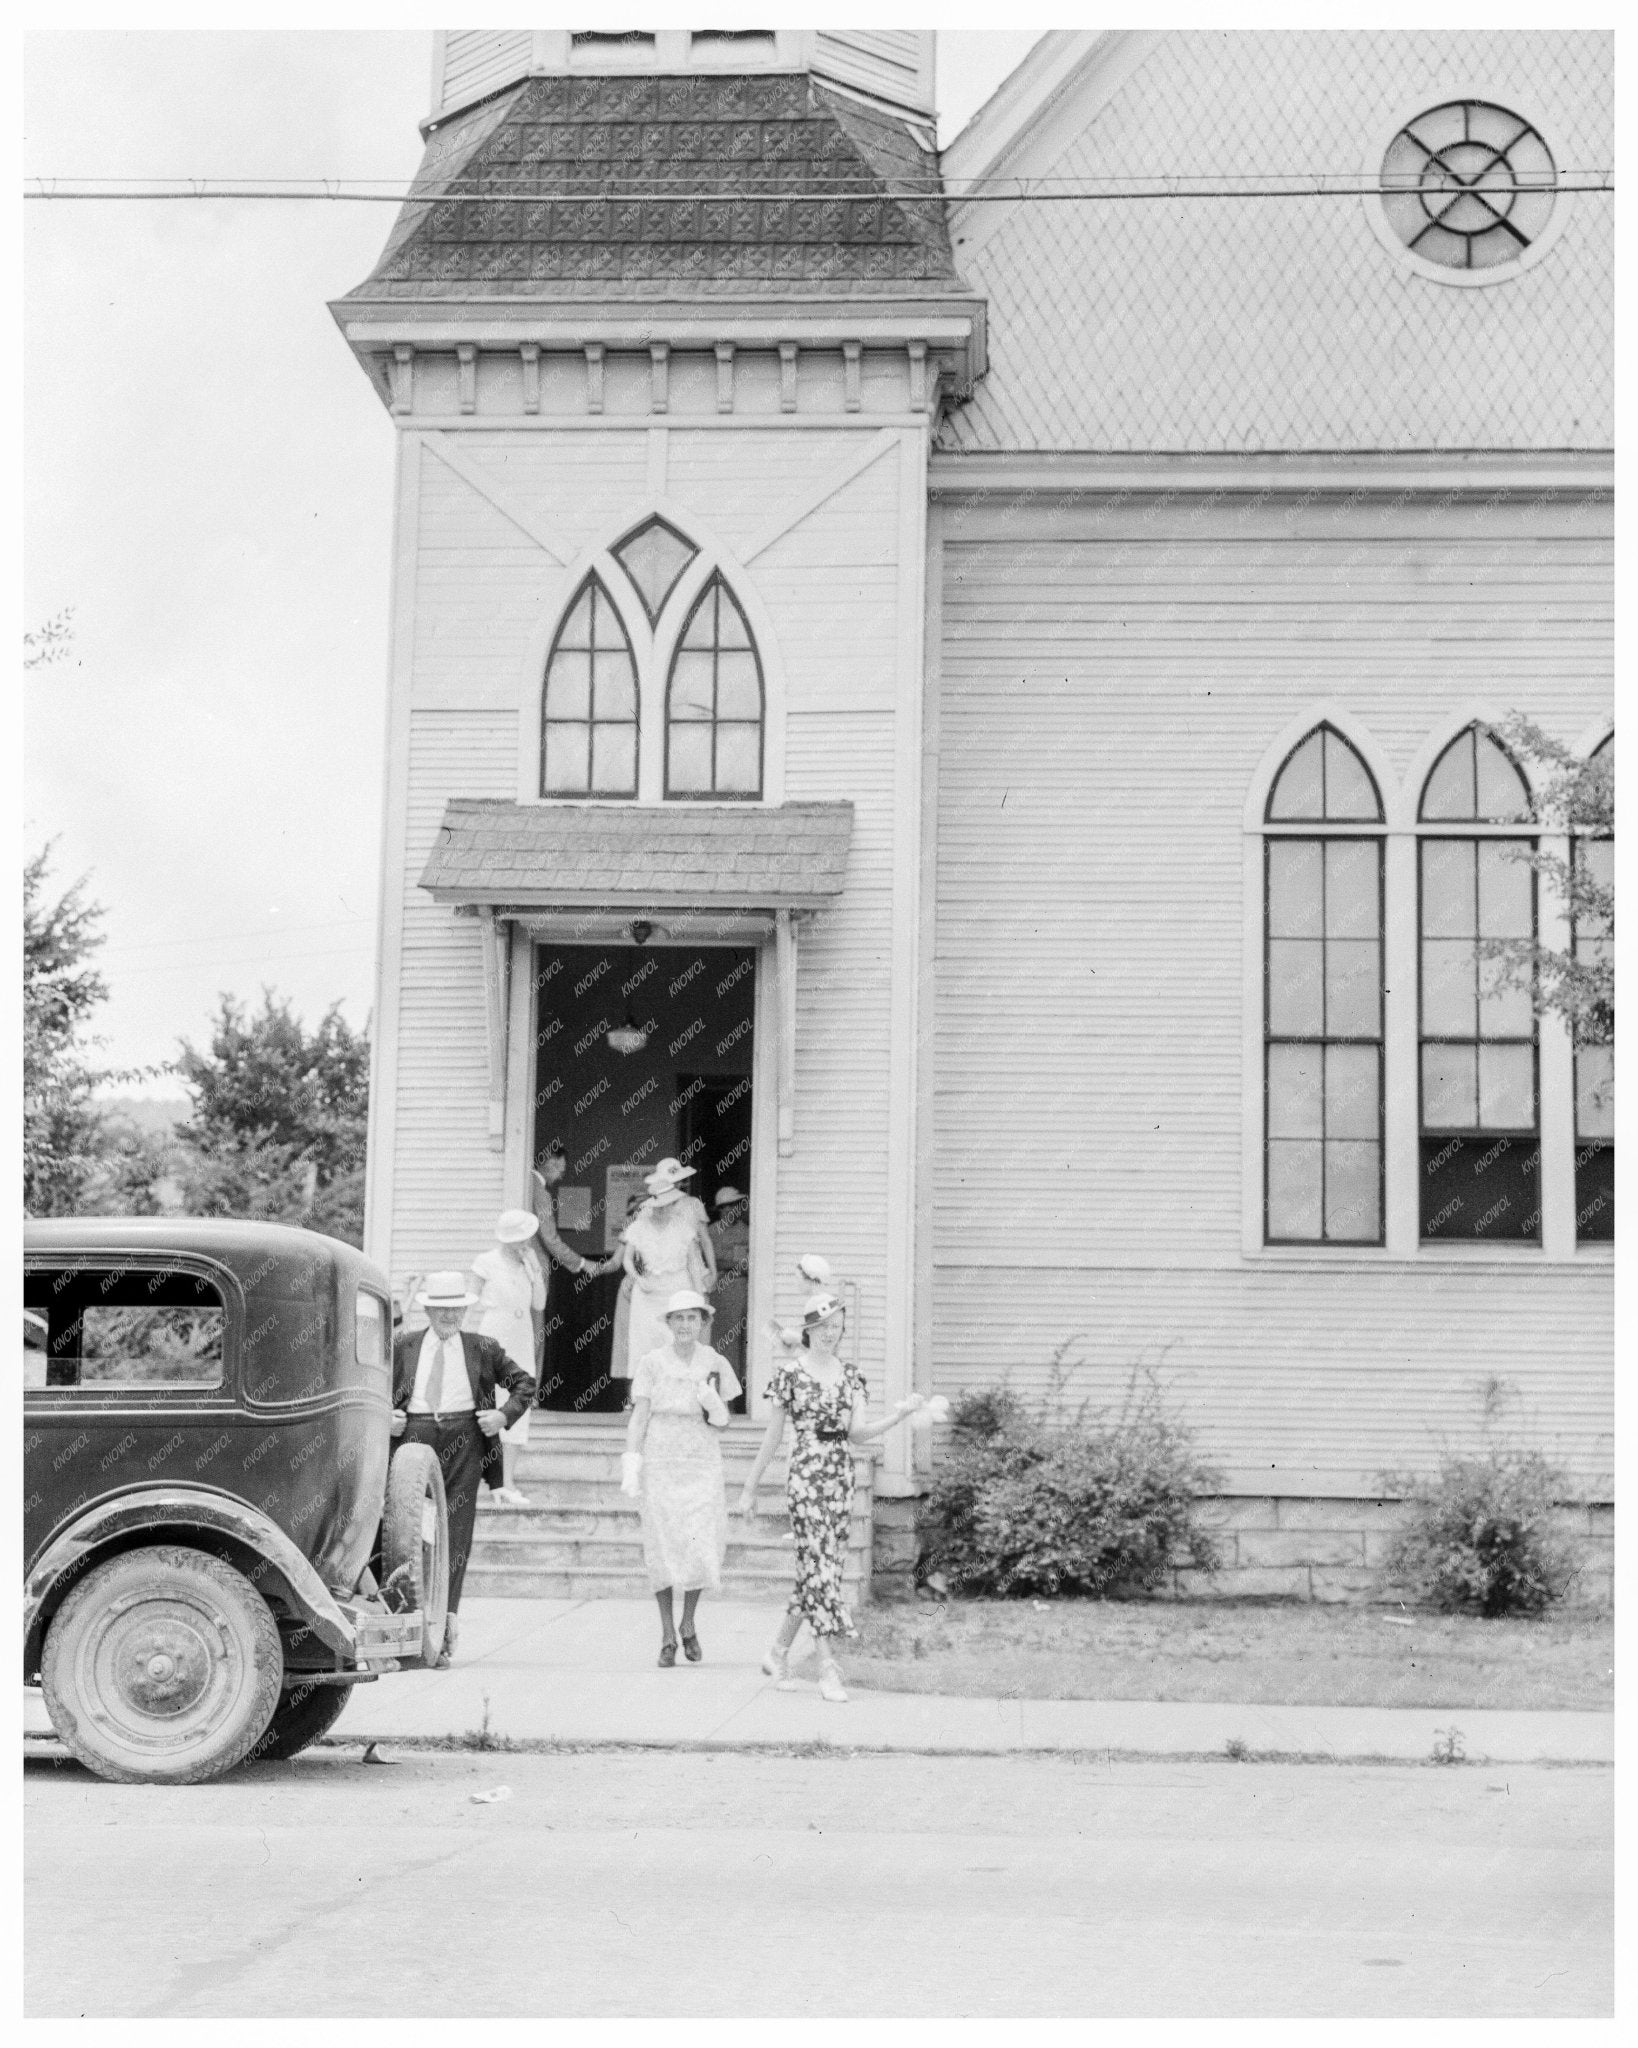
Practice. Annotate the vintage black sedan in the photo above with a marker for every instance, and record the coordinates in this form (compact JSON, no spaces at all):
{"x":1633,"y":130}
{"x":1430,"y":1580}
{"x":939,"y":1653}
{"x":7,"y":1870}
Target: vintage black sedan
{"x":219,"y":1539}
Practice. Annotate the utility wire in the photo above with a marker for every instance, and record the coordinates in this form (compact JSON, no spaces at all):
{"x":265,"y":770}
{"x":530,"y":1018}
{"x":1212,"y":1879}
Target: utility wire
{"x":1018,"y":192}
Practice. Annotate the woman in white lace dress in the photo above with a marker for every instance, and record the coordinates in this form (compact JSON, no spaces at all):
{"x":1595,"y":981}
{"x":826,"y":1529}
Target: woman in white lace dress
{"x":667,"y":1248}
{"x":509,"y":1282}
{"x":673,"y":1466}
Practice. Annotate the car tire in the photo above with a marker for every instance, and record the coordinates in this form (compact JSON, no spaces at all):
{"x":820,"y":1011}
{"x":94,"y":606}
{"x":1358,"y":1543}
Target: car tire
{"x":415,"y":1531}
{"x":162,"y":1667}
{"x":304,"y":1713}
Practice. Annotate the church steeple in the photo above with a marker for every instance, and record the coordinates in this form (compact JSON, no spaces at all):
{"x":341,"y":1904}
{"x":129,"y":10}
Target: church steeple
{"x":892,"y":67}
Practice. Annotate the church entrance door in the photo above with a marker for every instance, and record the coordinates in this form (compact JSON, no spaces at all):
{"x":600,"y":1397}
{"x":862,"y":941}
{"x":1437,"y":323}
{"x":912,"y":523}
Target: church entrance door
{"x":642,"y":1053}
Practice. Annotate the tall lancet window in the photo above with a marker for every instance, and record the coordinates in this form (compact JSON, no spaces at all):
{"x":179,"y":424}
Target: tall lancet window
{"x":1481,"y":1144}
{"x":589,"y":736}
{"x":1322,"y":1009}
{"x":1594,"y":941}
{"x":713,"y":706}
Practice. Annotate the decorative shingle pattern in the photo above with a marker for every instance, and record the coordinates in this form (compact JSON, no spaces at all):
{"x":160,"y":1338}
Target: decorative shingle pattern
{"x":488,"y":851}
{"x":1230,"y":325}
{"x":699,"y":183}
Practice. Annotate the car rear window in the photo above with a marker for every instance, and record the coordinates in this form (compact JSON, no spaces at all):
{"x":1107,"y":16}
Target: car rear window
{"x":125,"y":1326}
{"x":371,"y":1347}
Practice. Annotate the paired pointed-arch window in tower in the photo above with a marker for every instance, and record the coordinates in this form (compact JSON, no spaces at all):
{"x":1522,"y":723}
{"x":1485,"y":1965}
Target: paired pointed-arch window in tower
{"x":1593,"y":938}
{"x":589,"y":735}
{"x":714,"y":703}
{"x":654,"y":556}
{"x":1480,"y":1120}
{"x":1322,"y":1008}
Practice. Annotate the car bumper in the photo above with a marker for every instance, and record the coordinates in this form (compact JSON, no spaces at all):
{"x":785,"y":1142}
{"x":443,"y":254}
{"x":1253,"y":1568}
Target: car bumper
{"x":382,"y":1639}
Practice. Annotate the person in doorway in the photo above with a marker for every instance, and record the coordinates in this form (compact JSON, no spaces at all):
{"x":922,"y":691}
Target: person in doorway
{"x":443,"y":1394}
{"x":620,"y":1348}
{"x":823,"y":1398}
{"x":731,"y":1245}
{"x":666,"y":1247}
{"x":543,"y":1184}
{"x":673,"y":1466}
{"x":511,"y":1288}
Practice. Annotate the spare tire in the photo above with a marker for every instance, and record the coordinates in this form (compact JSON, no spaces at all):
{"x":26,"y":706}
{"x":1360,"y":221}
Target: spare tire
{"x":415,"y":1531}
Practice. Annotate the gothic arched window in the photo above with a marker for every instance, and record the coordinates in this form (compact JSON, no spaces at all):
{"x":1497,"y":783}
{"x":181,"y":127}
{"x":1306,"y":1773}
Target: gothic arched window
{"x":713,"y":704}
{"x":589,"y":715}
{"x":1322,"y":1000}
{"x":1593,"y":937}
{"x":1480,"y":1116}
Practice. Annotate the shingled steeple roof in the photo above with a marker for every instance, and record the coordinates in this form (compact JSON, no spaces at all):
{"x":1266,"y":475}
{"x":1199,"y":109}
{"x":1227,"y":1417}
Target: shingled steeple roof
{"x":635,"y":186}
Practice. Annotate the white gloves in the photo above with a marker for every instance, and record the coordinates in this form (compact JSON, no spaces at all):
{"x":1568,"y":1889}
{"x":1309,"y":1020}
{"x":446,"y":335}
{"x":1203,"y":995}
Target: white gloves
{"x":631,"y":1465}
{"x":711,"y":1401}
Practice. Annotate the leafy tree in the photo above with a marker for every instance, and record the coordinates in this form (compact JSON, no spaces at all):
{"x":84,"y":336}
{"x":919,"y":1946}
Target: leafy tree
{"x":280,"y":1117}
{"x":62,"y":1127}
{"x":1577,"y":796}
{"x":50,"y":643}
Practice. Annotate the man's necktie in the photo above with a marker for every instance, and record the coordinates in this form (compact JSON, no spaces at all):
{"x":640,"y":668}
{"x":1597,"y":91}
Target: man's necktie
{"x":435,"y":1378}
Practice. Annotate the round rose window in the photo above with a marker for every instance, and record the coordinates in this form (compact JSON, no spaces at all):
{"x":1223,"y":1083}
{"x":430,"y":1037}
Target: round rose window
{"x":1468,"y":186}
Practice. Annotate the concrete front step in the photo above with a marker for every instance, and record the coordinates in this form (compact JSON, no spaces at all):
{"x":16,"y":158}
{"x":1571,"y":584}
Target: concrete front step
{"x":608,"y":1523}
{"x":580,"y":1538}
{"x":492,"y":1582}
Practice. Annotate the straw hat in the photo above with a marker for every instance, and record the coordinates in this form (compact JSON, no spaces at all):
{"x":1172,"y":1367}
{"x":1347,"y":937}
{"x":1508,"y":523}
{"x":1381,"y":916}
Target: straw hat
{"x":726,"y":1195}
{"x":818,"y":1306}
{"x":668,"y":1173}
{"x":513,"y":1226}
{"x":445,"y":1290}
{"x":685,"y":1298}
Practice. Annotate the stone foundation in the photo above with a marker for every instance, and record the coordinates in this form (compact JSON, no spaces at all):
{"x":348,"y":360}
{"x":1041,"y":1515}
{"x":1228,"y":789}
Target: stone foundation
{"x":1275,"y":1547}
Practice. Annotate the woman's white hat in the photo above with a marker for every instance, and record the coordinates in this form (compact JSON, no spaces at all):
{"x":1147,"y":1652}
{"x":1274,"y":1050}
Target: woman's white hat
{"x":513,"y":1226}
{"x":685,"y":1297}
{"x":668,"y":1173}
{"x":818,"y":1306}
{"x":445,"y":1290}
{"x":726,"y":1195}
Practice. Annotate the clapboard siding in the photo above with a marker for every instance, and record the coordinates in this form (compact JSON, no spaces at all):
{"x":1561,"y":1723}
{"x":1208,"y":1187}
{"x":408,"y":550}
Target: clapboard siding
{"x":833,"y":1191}
{"x":447,"y":1181}
{"x":894,"y":63}
{"x":1299,"y":1382}
{"x":1106,"y":696}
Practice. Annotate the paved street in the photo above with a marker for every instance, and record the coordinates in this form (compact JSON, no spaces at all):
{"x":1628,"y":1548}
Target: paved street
{"x":641,"y":1883}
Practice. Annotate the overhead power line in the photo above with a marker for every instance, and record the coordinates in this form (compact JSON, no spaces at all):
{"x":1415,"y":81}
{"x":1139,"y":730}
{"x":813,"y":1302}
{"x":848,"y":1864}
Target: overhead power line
{"x":1011,"y":192}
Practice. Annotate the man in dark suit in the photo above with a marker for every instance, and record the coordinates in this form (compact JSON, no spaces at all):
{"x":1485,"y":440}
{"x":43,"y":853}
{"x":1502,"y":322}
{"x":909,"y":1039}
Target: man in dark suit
{"x":443,"y":1394}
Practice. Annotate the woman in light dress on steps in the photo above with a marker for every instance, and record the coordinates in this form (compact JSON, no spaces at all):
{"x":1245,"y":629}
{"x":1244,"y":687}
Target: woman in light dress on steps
{"x":672,"y":1466}
{"x":510,"y":1282}
{"x":824,"y":1399}
{"x":667,"y":1248}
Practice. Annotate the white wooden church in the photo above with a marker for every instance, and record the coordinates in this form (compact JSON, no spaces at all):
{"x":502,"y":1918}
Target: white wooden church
{"x":952,"y":693}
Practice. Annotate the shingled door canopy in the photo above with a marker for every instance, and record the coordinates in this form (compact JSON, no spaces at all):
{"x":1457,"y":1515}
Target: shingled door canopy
{"x":493,"y":855}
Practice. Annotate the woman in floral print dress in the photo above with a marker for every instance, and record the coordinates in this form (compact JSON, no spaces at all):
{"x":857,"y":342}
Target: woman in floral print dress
{"x":824,"y":1399}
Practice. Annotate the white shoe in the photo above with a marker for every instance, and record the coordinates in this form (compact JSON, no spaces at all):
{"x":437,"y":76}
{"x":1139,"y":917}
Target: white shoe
{"x":776,"y":1663}
{"x":831,"y":1686}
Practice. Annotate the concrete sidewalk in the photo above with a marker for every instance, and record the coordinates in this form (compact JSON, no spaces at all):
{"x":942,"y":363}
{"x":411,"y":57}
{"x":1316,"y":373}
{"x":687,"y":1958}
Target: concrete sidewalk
{"x":584,"y":1671}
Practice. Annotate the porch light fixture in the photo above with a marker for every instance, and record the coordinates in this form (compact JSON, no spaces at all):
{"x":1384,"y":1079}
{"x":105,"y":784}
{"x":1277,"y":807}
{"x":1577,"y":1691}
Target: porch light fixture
{"x":628,"y":1037}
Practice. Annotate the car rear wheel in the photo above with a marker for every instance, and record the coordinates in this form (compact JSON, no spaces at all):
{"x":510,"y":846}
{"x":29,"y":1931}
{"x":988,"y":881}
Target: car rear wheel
{"x":304,"y":1713}
{"x":162,"y":1668}
{"x":415,"y":1531}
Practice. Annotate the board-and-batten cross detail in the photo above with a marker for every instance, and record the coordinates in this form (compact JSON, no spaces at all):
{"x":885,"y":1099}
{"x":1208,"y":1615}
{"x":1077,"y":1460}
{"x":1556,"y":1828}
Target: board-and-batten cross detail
{"x":600,"y":563}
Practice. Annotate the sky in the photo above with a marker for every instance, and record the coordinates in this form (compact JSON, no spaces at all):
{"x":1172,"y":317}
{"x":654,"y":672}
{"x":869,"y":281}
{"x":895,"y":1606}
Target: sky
{"x":208,"y":485}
